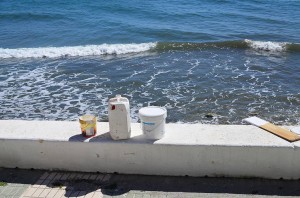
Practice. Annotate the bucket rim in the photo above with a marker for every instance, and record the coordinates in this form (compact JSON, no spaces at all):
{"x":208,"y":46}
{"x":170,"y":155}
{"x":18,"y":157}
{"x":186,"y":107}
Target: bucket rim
{"x":143,"y":114}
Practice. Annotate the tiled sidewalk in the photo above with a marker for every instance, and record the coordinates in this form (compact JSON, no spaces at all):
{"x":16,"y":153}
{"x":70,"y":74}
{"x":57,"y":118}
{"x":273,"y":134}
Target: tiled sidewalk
{"x":57,"y":184}
{"x":17,"y":181}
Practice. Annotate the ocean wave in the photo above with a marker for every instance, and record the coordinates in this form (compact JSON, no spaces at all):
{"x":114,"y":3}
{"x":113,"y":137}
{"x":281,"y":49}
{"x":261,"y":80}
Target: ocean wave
{"x":164,"y":46}
{"x":267,"y":45}
{"x":88,"y":50}
{"x":273,"y":46}
{"x":238,"y":44}
{"x":118,"y":49}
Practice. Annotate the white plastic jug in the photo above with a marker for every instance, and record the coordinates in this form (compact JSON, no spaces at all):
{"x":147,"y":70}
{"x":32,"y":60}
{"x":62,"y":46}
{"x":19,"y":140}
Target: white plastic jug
{"x":119,"y":118}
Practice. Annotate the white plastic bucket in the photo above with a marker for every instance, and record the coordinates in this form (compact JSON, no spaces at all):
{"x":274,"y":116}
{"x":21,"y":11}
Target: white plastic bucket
{"x":153,"y":121}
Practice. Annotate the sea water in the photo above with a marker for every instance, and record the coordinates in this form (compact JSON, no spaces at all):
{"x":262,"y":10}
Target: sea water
{"x":214,"y":62}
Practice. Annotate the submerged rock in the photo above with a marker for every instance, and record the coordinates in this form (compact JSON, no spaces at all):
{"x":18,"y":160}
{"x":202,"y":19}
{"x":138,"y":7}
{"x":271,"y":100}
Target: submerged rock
{"x":210,"y":115}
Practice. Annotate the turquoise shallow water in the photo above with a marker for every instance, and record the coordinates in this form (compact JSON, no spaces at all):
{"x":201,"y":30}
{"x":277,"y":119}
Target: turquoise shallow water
{"x":60,"y":59}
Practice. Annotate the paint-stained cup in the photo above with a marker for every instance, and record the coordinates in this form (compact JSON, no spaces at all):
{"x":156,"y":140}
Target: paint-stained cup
{"x":88,"y":125}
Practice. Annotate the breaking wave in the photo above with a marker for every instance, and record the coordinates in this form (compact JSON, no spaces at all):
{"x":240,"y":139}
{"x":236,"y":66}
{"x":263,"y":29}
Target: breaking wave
{"x":88,"y":50}
{"x":117,"y":49}
{"x":239,"y":44}
{"x":267,"y":45}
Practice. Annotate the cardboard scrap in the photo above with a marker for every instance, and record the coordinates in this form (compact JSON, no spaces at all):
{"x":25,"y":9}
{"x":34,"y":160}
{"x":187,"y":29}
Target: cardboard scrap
{"x":276,"y":130}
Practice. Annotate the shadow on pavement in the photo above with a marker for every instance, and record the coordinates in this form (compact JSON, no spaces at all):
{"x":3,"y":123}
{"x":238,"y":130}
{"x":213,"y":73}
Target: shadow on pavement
{"x":211,"y":185}
{"x":20,"y":176}
{"x":118,"y":184}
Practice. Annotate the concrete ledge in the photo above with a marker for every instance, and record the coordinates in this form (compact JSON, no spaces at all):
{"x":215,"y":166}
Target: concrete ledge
{"x":187,"y":149}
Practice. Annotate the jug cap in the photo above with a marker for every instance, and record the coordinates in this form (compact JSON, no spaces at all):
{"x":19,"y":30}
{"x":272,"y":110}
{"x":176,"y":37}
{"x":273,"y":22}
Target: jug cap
{"x":118,"y":99}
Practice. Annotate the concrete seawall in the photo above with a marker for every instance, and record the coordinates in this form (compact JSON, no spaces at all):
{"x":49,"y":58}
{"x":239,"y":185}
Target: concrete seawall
{"x":186,"y":149}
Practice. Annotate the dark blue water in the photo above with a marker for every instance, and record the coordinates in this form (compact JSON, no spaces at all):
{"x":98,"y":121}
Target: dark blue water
{"x":230,"y":59}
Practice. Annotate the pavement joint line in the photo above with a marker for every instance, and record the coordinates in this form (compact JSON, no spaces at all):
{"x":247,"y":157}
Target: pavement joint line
{"x":52,"y":192}
{"x":86,"y":176}
{"x":65,"y":176}
{"x":81,"y":194}
{"x":93,"y":177}
{"x":29,"y":192}
{"x":44,"y":176}
{"x":79,"y":176}
{"x":46,"y":182}
{"x":100,"y":177}
{"x":74,"y":194}
{"x":72,"y":175}
{"x":45,"y":192}
{"x":60,"y":193}
{"x":58,"y":176}
{"x":38,"y":183}
{"x":37,"y":192}
{"x":51,"y":176}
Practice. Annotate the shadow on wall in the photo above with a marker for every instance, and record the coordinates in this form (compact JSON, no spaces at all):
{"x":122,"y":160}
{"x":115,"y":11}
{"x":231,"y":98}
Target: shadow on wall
{"x":81,"y":138}
{"x":106,"y":137}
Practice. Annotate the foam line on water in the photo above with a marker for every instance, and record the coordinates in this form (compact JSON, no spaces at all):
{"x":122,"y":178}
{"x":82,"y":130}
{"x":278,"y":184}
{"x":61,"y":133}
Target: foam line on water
{"x":87,"y":50}
{"x":267,"y":45}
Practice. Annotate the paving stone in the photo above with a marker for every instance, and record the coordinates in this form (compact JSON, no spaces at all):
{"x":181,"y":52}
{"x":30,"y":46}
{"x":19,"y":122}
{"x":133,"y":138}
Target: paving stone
{"x":2,"y":188}
{"x":86,"y":176}
{"x":74,"y":193}
{"x":65,"y":176}
{"x":8,"y":190}
{"x":44,"y":176}
{"x":45,"y":192}
{"x":37,"y":192}
{"x":81,"y":194}
{"x":89,"y":195}
{"x":60,"y":193}
{"x":93,"y":177}
{"x":97,"y":194}
{"x":29,"y":192}
{"x":79,"y":176}
{"x":72,"y":176}
{"x":51,"y":176}
{"x":52,"y":193}
{"x":129,"y":195}
{"x":46,"y":182}
{"x":146,"y":195}
{"x":38,"y":183}
{"x":106,"y":177}
{"x":157,"y":194}
{"x":17,"y":185}
{"x":19,"y":191}
{"x":138,"y":195}
{"x":58,"y":176}
{"x":100,"y":177}
{"x":68,"y":193}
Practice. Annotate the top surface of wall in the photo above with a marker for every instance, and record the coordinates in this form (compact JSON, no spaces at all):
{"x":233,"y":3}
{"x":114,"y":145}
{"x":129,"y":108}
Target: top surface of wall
{"x":176,"y":134}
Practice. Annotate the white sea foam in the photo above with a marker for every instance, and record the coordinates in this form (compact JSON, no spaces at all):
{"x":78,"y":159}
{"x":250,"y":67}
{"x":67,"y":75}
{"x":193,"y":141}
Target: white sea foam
{"x":87,"y":50}
{"x":267,"y":45}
